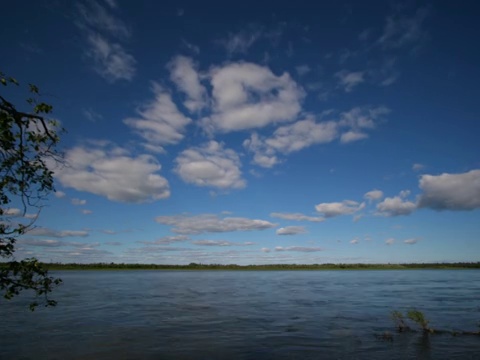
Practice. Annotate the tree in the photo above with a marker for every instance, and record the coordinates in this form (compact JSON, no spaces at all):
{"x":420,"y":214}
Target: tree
{"x":27,"y":146}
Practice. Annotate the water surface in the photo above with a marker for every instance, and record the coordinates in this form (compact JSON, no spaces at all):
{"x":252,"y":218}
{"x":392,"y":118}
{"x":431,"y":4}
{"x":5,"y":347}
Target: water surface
{"x":244,"y":315}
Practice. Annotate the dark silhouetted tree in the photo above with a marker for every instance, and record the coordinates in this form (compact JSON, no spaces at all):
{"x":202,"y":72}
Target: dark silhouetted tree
{"x":28,"y":143}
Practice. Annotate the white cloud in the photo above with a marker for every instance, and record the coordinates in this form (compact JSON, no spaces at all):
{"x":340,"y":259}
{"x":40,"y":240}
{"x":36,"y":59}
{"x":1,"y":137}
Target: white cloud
{"x":60,"y":194}
{"x":411,"y":241}
{"x":297,"y":217}
{"x":396,"y":206}
{"x":98,"y":18}
{"x":111,"y":3}
{"x":206,"y":223}
{"x":41,"y":242}
{"x":210,"y":165}
{"x":99,"y":25}
{"x":374,"y":195}
{"x":167,"y":240}
{"x":289,"y":138}
{"x":111,"y":60}
{"x":40,"y":231}
{"x":291,"y":230}
{"x":248,"y":96}
{"x":264,"y":155}
{"x":92,"y":115}
{"x":220,"y":243}
{"x":348,"y":80}
{"x":362,"y":118}
{"x":109,"y":232}
{"x":110,"y":171}
{"x":241,"y":41}
{"x":193,"y":48}
{"x":354,"y":241}
{"x":87,"y":212}
{"x":418,"y":167}
{"x":160,"y":121}
{"x":298,"y":248}
{"x":304,"y":133}
{"x":185,"y":76}
{"x":351,"y":136}
{"x":11,"y":212}
{"x":78,"y":202}
{"x":401,"y":30}
{"x":450,"y":191}
{"x":345,"y":207}
{"x":390,"y":241}
{"x":302,"y":69}
{"x":265,"y":250}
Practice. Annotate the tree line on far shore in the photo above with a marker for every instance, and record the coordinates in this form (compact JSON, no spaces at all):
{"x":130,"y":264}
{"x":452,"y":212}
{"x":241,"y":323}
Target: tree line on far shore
{"x":199,"y":266}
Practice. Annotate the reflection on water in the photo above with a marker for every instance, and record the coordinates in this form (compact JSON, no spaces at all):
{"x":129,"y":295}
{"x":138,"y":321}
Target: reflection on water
{"x":245,"y":315}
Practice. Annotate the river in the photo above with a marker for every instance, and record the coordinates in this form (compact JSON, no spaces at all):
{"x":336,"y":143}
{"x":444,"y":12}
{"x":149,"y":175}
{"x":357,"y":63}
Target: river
{"x":136,"y":314}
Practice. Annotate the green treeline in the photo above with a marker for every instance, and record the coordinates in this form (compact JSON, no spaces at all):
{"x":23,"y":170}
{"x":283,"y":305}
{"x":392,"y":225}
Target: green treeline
{"x":195,"y":266}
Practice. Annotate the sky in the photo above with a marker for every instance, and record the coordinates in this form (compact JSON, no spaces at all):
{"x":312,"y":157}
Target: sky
{"x":254,"y":132}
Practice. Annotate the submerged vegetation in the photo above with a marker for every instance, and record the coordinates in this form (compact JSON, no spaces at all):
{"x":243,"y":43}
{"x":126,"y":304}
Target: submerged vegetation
{"x":413,"y":316}
{"x":195,"y":266}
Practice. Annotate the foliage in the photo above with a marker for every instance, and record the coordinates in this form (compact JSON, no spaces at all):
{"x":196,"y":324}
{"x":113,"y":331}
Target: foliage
{"x":268,"y":267}
{"x":399,"y":320}
{"x":418,"y":317}
{"x":27,"y":143}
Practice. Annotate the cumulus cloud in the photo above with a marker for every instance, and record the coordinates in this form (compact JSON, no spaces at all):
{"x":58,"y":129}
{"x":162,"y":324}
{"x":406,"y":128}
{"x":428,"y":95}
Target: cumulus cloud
{"x":220,"y":243}
{"x":209,"y":223}
{"x":298,"y":248}
{"x":390,"y":241}
{"x":11,"y":212}
{"x":40,"y":231}
{"x":411,"y":241}
{"x":111,"y":60}
{"x":60,"y":194}
{"x":396,"y":206}
{"x":110,"y":171}
{"x":159,"y":121}
{"x":265,"y":250}
{"x":297,"y":217}
{"x":374,"y":195}
{"x":56,"y":243}
{"x":310,"y":131}
{"x":210,"y":165}
{"x":450,"y":191}
{"x":291,"y":230}
{"x":349,"y":79}
{"x":418,"y":167}
{"x":185,"y":76}
{"x":354,"y":241}
{"x":248,"y":96}
{"x":303,"y":133}
{"x":333,"y":209}
{"x":167,"y":240}
{"x":264,"y":155}
{"x":288,"y":139}
{"x":78,"y":202}
{"x":352,"y":135}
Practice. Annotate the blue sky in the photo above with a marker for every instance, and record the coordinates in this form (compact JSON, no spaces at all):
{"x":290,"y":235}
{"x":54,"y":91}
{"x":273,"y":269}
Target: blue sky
{"x":255,"y":132}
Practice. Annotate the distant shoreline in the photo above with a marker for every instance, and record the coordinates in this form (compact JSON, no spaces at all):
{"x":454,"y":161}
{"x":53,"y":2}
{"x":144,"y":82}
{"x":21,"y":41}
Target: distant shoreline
{"x":195,"y":266}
